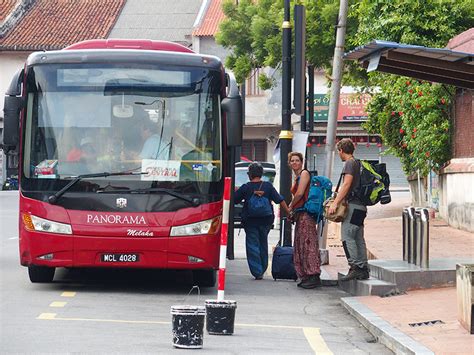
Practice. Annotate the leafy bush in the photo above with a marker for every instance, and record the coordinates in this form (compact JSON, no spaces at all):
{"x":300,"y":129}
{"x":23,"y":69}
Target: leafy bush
{"x":413,"y":120}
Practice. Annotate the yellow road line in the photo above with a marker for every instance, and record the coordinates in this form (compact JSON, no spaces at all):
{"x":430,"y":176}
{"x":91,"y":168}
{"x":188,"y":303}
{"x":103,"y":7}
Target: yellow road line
{"x":316,"y":341}
{"x":68,"y":294}
{"x":268,"y":326}
{"x":313,"y":336}
{"x":47,"y":316}
{"x":52,"y":316}
{"x":57,"y":304}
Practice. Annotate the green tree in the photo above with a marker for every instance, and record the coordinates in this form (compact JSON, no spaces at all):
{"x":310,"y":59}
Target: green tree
{"x":412,"y":116}
{"x":413,"y":120}
{"x":252,"y":31}
{"x":245,"y":24}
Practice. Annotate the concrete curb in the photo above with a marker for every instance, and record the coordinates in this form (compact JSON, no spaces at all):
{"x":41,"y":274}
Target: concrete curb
{"x":392,"y":338}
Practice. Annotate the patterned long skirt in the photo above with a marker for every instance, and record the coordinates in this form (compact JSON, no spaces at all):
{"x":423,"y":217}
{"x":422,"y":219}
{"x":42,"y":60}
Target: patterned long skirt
{"x":306,"y":247}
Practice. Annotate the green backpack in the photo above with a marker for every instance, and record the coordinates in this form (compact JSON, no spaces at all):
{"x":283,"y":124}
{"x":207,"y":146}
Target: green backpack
{"x":374,"y":184}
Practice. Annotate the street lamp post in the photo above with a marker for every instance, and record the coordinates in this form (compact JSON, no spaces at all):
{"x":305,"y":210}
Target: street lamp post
{"x":286,"y":134}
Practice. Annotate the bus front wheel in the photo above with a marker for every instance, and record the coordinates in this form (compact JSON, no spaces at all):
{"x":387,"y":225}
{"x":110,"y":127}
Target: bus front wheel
{"x":204,"y":278}
{"x":41,"y":273}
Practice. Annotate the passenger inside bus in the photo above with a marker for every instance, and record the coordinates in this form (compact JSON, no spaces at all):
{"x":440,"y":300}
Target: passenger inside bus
{"x":84,"y":152}
{"x":153,"y":147}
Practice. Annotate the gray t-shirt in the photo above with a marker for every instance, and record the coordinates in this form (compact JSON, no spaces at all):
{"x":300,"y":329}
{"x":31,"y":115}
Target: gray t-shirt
{"x":352,"y":167}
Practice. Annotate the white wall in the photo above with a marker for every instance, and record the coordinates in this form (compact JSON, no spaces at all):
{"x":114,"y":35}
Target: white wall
{"x":208,"y":45}
{"x":10,"y":62}
{"x":456,"y":195}
{"x":457,"y":200}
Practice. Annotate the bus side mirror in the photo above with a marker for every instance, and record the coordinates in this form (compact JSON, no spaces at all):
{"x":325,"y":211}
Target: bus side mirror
{"x":11,"y":109}
{"x":232,"y":107}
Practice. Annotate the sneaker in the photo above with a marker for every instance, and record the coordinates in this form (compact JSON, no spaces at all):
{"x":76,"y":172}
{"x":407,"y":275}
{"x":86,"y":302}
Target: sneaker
{"x":311,"y":282}
{"x":259,"y":277}
{"x":356,"y":273}
{"x":301,"y":282}
{"x":366,"y":271}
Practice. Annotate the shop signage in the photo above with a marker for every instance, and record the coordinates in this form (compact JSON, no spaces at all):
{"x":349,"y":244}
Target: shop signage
{"x":352,"y":107}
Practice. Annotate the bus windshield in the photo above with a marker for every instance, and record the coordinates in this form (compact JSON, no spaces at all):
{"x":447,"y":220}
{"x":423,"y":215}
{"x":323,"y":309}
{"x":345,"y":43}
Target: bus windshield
{"x":162,"y":122}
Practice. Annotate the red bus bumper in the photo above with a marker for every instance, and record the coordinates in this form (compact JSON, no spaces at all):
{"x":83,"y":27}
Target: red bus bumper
{"x":191,"y":252}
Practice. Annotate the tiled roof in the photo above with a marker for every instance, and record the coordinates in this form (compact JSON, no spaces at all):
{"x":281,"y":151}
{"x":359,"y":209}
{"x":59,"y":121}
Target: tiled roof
{"x":55,"y":24}
{"x":6,"y":7}
{"x":463,"y":42}
{"x":164,"y":20}
{"x":211,"y":20}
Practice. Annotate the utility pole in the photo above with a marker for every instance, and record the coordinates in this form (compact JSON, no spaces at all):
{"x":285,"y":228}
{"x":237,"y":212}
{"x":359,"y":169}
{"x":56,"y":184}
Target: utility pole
{"x":311,"y":99}
{"x":286,"y":135}
{"x":335,"y":88}
{"x":299,"y":74}
{"x":334,"y":104}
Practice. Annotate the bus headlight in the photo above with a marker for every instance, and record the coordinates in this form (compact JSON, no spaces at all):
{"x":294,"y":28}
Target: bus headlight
{"x":38,"y":224}
{"x":209,"y":226}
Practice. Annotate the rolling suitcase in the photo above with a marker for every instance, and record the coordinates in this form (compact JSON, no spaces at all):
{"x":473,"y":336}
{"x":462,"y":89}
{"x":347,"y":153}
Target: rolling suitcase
{"x":282,"y":260}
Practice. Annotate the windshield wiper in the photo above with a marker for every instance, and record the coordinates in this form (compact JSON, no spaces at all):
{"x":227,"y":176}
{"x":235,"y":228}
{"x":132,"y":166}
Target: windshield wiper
{"x":55,"y":197}
{"x":194,"y":201}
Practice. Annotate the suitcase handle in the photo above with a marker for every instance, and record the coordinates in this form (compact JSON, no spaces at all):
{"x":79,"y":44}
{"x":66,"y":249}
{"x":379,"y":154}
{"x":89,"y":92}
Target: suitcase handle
{"x":282,"y":230}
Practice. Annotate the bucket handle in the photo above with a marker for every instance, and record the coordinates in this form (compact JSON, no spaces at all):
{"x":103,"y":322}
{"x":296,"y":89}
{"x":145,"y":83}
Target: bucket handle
{"x":195,"y":287}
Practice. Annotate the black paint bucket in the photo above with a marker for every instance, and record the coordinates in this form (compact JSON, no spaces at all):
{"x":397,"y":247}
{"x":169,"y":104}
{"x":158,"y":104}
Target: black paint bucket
{"x":188,"y":325}
{"x":220,"y":317}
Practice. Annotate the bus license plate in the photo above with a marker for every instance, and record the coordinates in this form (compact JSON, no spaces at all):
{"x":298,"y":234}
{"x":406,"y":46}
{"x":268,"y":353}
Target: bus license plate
{"x":120,"y":258}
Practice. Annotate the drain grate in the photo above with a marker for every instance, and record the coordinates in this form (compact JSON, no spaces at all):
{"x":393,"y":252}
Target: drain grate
{"x":428,"y":323}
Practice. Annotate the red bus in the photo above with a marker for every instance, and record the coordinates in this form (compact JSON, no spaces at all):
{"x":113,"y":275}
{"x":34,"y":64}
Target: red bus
{"x":123,"y":147}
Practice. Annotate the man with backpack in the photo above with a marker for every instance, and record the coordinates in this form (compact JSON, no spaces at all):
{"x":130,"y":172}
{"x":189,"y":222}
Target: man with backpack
{"x":352,"y":228}
{"x":257,"y":217}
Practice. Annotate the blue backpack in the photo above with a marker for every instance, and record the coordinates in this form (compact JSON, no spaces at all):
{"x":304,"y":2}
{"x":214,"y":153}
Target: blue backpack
{"x":259,"y":206}
{"x":320,"y":189}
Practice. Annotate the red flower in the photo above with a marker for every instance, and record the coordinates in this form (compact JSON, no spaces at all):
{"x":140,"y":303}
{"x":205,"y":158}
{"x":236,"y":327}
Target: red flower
{"x":402,"y":130}
{"x":413,"y":136}
{"x":420,"y":93}
{"x":417,"y":106}
{"x":407,"y":82}
{"x":427,"y":154}
{"x":400,"y":113}
{"x":393,"y":113}
{"x":414,"y":130}
{"x":443,"y":101}
{"x":410,"y":91}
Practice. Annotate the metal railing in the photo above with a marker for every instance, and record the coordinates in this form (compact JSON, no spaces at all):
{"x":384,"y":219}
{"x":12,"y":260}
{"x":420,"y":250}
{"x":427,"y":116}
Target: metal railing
{"x":416,"y":236}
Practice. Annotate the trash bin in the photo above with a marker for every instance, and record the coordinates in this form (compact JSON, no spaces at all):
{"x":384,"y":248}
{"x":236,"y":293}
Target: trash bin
{"x":220,"y":317}
{"x":188,"y":326}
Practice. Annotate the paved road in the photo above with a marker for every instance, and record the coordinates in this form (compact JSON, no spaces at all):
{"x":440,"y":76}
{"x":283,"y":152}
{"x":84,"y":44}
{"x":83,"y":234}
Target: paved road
{"x":126,"y":312}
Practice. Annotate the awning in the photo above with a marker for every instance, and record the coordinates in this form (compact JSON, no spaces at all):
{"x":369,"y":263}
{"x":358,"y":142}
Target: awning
{"x":432,"y":64}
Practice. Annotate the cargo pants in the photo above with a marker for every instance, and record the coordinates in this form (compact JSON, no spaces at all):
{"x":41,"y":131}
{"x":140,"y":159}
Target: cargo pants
{"x":352,"y":235}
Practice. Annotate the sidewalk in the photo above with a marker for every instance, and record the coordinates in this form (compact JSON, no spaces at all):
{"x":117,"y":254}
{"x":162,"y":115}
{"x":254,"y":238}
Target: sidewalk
{"x":405,"y":318}
{"x":399,"y":321}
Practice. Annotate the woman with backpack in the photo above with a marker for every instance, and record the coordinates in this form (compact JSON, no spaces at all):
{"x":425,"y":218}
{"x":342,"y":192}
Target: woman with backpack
{"x":306,"y":244}
{"x":257,"y":217}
